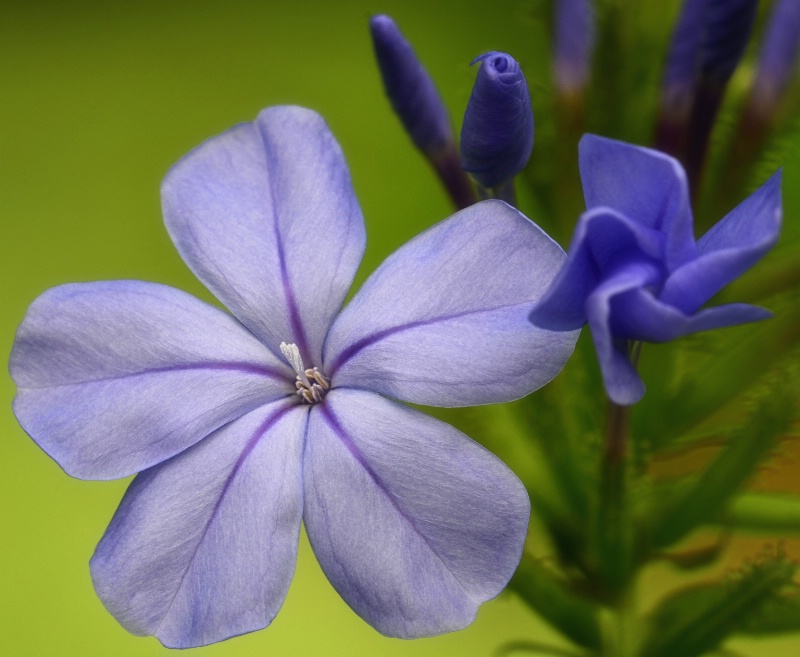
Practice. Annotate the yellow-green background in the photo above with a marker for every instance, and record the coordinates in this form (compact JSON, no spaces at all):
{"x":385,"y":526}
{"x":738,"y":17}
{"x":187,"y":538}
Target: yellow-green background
{"x":97,"y":100}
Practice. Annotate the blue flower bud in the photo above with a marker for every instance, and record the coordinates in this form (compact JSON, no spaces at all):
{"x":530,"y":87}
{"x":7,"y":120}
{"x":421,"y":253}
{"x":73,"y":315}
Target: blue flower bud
{"x":497,"y":134}
{"x":778,"y":59}
{"x":410,"y":89}
{"x":683,"y":62}
{"x":728,"y":26}
{"x":574,"y":43}
{"x":707,"y":45}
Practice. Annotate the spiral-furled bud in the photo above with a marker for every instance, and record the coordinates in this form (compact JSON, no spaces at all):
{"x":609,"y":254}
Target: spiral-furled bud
{"x":410,"y":89}
{"x":497,"y":134}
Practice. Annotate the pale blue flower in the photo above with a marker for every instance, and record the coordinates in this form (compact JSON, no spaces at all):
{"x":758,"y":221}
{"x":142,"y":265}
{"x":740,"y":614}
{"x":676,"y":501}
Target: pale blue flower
{"x":241,"y":426}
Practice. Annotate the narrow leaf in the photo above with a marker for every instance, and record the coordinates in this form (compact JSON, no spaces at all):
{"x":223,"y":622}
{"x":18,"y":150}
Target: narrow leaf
{"x":708,"y":497}
{"x":779,"y":616}
{"x":746,"y":355}
{"x":552,"y":600}
{"x":698,"y":619}
{"x":771,"y":513}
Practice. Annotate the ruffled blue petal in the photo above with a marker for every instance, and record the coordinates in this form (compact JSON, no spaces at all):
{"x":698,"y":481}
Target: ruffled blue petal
{"x":729,"y":249}
{"x":647,"y":186}
{"x":603,"y":240}
{"x":638,"y":315}
{"x":622,"y":383}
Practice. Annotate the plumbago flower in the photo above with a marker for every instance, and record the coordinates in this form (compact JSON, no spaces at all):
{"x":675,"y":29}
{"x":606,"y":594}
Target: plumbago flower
{"x":240,"y":426}
{"x":634,"y":270}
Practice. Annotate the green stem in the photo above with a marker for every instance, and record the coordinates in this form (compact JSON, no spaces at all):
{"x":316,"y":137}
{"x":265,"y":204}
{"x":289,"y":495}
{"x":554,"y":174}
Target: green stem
{"x":626,"y":625}
{"x":618,"y":538}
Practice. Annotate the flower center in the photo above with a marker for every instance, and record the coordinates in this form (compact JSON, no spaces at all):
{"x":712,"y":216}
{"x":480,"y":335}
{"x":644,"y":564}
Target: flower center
{"x":311,"y":384}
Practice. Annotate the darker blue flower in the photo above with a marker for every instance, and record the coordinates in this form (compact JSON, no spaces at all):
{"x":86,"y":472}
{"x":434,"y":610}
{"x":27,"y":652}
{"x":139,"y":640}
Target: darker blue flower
{"x":634,"y":271}
{"x":497,"y":133}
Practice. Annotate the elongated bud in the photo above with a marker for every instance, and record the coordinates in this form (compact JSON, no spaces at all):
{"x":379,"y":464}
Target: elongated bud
{"x":777,"y":61}
{"x":417,"y":103}
{"x":682,"y":69}
{"x":574,"y":44}
{"x":707,"y":45}
{"x":729,"y":24}
{"x":497,"y":134}
{"x":411,"y":90}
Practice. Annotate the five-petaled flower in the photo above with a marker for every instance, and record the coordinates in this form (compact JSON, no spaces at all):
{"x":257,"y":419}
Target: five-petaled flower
{"x":242,"y":426}
{"x":634,"y":271}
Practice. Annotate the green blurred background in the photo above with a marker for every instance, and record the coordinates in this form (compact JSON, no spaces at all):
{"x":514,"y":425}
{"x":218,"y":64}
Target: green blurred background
{"x":97,"y":100}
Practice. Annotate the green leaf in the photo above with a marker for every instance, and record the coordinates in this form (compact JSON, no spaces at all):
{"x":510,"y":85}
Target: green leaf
{"x":550,"y":597}
{"x":695,"y":558}
{"x":708,"y":496}
{"x":771,"y":513}
{"x":698,"y":619}
{"x":739,"y":359}
{"x":779,"y":616}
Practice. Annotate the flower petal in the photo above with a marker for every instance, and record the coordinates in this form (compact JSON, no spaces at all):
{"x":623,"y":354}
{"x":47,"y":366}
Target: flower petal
{"x":603,"y":239}
{"x":622,"y":383}
{"x":414,"y":524}
{"x":115,"y":377}
{"x":731,"y":247}
{"x":443,"y":320}
{"x":643,"y":184}
{"x":203,"y":547}
{"x":265,"y":216}
{"x":637,"y":315}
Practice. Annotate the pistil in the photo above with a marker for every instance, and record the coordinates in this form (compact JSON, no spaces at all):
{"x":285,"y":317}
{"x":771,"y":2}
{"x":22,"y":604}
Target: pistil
{"x":311,"y":384}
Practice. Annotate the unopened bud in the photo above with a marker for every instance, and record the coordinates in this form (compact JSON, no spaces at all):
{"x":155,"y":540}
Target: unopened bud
{"x":497,"y":134}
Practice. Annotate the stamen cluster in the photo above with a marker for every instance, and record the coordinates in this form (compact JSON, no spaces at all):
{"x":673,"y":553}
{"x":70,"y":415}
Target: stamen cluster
{"x":313,"y":386}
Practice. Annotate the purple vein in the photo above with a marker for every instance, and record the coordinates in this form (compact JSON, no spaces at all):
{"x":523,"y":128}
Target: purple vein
{"x":338,"y":429}
{"x":349,"y":352}
{"x":247,"y":368}
{"x":298,"y":330}
{"x":258,"y":434}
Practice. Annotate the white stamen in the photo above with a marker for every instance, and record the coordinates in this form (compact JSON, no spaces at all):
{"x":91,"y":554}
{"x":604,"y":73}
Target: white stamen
{"x":311,"y":384}
{"x":319,"y":377}
{"x":292,"y":354}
